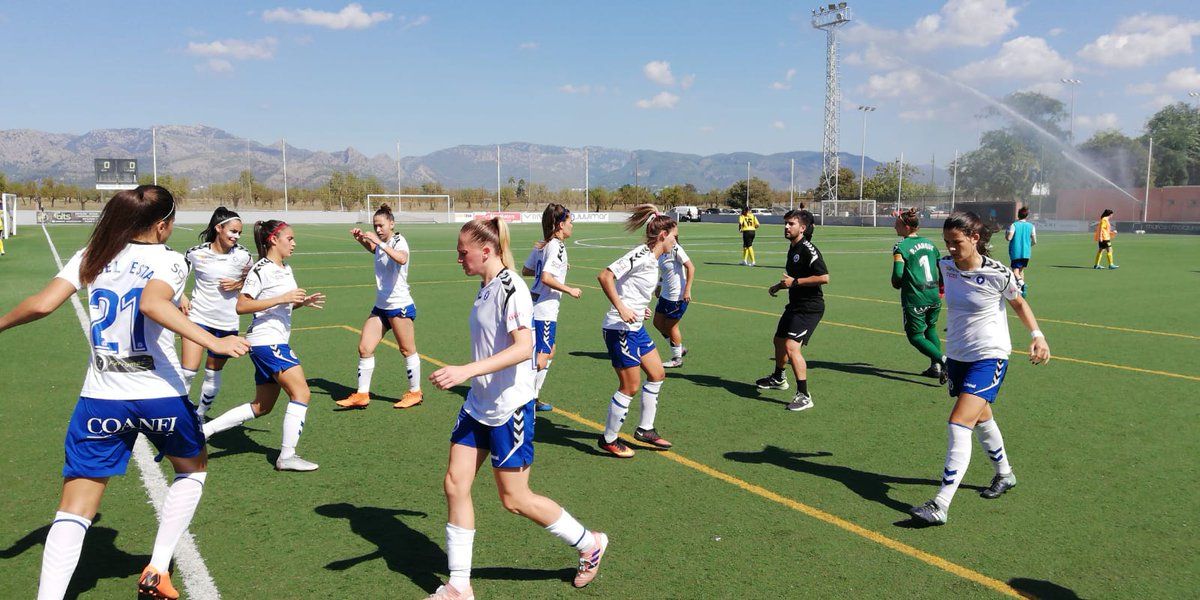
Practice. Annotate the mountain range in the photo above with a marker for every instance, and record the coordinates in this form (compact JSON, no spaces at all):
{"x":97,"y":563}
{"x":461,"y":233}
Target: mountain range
{"x":207,"y":155}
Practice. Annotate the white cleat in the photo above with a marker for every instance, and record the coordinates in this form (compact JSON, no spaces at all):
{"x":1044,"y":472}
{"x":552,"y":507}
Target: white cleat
{"x":294,"y":463}
{"x":674,"y":363}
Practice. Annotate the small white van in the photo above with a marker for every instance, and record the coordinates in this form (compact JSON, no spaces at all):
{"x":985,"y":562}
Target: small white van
{"x":685,"y":213}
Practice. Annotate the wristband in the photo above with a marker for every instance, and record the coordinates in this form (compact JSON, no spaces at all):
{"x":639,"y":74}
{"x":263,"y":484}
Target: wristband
{"x":1036,"y":333}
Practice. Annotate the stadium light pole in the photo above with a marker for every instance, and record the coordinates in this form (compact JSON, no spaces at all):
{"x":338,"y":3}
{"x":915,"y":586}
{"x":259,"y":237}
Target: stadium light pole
{"x":900,"y":188}
{"x":1146,"y":197}
{"x":954,"y":182}
{"x":285,"y":187}
{"x":1071,"y":131}
{"x":154,"y":152}
{"x":747,"y":184}
{"x":497,"y":177}
{"x":399,"y":185}
{"x":1195,"y":95}
{"x":792,"y":186}
{"x":587,"y":188}
{"x":862,"y":158}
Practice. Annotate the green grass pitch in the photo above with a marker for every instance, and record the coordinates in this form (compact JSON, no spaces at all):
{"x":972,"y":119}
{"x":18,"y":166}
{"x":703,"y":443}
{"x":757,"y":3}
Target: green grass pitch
{"x":756,"y":501}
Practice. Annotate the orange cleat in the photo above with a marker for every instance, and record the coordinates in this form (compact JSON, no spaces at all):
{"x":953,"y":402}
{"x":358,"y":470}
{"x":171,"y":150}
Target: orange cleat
{"x":356,"y":400}
{"x":156,"y":585}
{"x":410,"y":399}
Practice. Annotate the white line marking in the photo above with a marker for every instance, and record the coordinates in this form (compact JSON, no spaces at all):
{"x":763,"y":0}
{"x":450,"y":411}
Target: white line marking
{"x":197,"y":581}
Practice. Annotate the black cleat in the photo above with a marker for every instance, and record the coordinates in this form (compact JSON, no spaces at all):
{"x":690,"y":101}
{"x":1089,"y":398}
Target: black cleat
{"x":650,"y":436}
{"x":934,"y":371}
{"x":770,"y":383}
{"x":1000,"y":484}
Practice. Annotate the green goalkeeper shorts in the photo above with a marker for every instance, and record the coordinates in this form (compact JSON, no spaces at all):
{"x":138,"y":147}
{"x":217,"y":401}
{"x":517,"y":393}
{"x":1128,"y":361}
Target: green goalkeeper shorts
{"x":919,"y":319}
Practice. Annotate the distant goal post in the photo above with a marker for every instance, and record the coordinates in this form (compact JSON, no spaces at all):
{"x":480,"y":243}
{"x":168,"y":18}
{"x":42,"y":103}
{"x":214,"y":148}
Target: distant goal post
{"x":861,"y":213}
{"x":443,"y":207}
{"x":8,"y":215}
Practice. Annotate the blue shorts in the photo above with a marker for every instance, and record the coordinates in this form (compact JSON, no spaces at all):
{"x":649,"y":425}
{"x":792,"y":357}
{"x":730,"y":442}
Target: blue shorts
{"x":626,"y":348}
{"x":671,"y":309}
{"x":544,"y":335}
{"x":219,"y":333}
{"x":101,"y":433}
{"x":980,"y":378}
{"x":386,"y":315}
{"x":270,"y":361}
{"x":1019,"y":263}
{"x":511,"y":444}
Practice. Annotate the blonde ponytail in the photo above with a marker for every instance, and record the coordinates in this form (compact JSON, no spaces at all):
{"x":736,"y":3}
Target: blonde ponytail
{"x":491,"y":232}
{"x":655,"y":222}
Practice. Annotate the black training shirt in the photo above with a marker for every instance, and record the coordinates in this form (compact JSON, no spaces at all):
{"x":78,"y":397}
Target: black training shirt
{"x":803,"y":260}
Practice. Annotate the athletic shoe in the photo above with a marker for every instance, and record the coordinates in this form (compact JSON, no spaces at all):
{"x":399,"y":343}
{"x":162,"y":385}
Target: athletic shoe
{"x":410,"y":399}
{"x":205,"y":406}
{"x":1097,"y":267}
{"x":684,"y":351}
{"x":355,"y":400}
{"x":1114,"y":266}
{"x":744,"y":263}
{"x":929,"y":512}
{"x":589,"y":561}
{"x":943,"y":374}
{"x":800,"y":401}
{"x":294,"y":463}
{"x":674,"y":363}
{"x":540,"y":406}
{"x":752,"y":264}
{"x":616,"y":448}
{"x":934,"y":371}
{"x":448,"y":592}
{"x":650,"y":436}
{"x":1000,"y":484}
{"x":1024,"y":290}
{"x":156,"y":585}
{"x":770,"y":383}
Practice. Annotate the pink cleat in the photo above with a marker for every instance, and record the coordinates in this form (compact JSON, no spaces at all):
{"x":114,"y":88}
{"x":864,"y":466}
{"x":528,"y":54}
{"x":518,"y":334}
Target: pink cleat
{"x":589,"y":560}
{"x":449,"y":592}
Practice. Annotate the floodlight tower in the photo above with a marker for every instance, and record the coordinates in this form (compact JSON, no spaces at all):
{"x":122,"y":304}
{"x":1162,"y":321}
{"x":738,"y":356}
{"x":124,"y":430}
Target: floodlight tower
{"x":829,"y":19}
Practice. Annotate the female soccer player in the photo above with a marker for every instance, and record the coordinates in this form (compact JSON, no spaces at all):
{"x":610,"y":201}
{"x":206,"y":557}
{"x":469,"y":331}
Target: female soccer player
{"x":220,"y":265}
{"x":748,"y":225}
{"x":271,"y":293}
{"x":548,"y":265}
{"x":629,"y":283}
{"x":915,"y":274}
{"x":977,"y":349}
{"x":394,"y":309}
{"x":497,"y":418}
{"x":677,"y":272}
{"x":133,"y":383}
{"x":805,"y":273}
{"x":1104,"y":235}
{"x":1022,"y":237}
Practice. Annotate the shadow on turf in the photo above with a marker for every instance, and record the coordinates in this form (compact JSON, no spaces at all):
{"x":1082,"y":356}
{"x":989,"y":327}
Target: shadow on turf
{"x":102,"y":559}
{"x":869,"y":486}
{"x":337,"y":391}
{"x":868,"y":369}
{"x":737,"y":388}
{"x":412,"y":553}
{"x":596,"y":355}
{"x":1070,"y":267}
{"x":729,"y":264}
{"x":1041,"y":589}
{"x":233,"y":442}
{"x":549,"y":432}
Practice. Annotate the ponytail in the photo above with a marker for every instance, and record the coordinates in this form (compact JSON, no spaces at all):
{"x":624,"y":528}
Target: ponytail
{"x":970,"y":224}
{"x":655,"y":222}
{"x":552,"y":217}
{"x":491,"y":232}
{"x":220,"y":217}
{"x":127,"y":215}
{"x":264,"y":231}
{"x":911,"y":219}
{"x":386,"y":211}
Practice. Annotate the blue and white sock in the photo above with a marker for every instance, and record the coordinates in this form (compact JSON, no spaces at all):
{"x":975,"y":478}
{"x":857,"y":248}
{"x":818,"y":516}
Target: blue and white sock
{"x":209,"y":390}
{"x":229,"y":419}
{"x":958,"y":456}
{"x":188,"y":376}
{"x":366,"y":367}
{"x":571,"y":531}
{"x":177,"y":510}
{"x":293,"y":426}
{"x":459,"y":544}
{"x":64,"y":543}
{"x":412,"y":364}
{"x":617,"y":409}
{"x":649,"y":403}
{"x":993,"y":443}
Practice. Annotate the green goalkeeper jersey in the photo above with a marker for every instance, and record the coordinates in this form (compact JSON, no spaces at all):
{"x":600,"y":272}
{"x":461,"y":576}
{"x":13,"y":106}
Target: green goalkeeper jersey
{"x":915,"y":271}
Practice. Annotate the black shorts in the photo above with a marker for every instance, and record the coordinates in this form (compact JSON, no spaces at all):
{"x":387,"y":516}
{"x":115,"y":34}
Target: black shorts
{"x":798,"y":326}
{"x":747,"y":238}
{"x":1105,"y":245}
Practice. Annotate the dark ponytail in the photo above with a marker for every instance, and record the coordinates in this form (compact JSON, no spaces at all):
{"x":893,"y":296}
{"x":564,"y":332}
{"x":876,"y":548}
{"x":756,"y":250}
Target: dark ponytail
{"x":1107,"y":212}
{"x":551,"y":218}
{"x":263,"y":232}
{"x":219,"y":217}
{"x":970,"y":224}
{"x":127,"y":215}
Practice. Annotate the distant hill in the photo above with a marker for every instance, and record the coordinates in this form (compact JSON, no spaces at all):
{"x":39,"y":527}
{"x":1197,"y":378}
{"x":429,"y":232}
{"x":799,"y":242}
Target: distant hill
{"x":209,"y":155}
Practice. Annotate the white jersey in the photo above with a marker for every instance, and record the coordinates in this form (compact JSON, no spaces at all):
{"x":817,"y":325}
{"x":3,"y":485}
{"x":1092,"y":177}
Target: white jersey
{"x":502,"y":307}
{"x":212,"y":306}
{"x":391,"y":277}
{"x":265,"y":280}
{"x":674,"y":276}
{"x":636,"y":277}
{"x":552,"y":259}
{"x":976,"y":321}
{"x":133,"y":358}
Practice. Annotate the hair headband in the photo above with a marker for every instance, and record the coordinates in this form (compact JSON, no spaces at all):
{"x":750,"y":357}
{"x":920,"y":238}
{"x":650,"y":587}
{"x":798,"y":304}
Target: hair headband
{"x":228,"y":220}
{"x":276,"y":229}
{"x":563,"y":217}
{"x":169,"y":212}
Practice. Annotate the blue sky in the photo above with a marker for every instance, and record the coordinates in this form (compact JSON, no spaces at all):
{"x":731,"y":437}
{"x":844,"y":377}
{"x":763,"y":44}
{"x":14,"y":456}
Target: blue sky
{"x":700,"y":77}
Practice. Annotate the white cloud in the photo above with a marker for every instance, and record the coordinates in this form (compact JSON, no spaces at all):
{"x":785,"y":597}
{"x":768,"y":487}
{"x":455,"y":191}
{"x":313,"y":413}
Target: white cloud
{"x":215,"y":65}
{"x":779,"y":125}
{"x":903,"y":82}
{"x":407,"y":23}
{"x":1141,"y":89}
{"x":707,"y":129}
{"x":1142,"y":39}
{"x":1055,"y":32}
{"x":575,"y":89}
{"x":1047,"y":88}
{"x":1160,"y":101}
{"x":351,"y":17}
{"x":873,"y":58}
{"x":1097,"y":122}
{"x":528,"y":46}
{"x":687,"y":81}
{"x":779,"y":85}
{"x":659,"y":71}
{"x":976,"y":23}
{"x":263,"y":49}
{"x":1183,"y":80}
{"x":927,"y":114}
{"x":1025,"y":58}
{"x":790,"y":74}
{"x":665,"y":100}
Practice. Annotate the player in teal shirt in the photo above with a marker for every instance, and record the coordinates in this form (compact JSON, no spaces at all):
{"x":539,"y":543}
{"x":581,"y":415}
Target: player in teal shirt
{"x":915,"y":274}
{"x":1022,"y":237}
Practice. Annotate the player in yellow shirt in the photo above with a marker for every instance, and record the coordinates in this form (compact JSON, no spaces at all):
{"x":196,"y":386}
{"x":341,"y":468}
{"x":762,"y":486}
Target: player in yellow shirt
{"x":1,"y":237}
{"x":1104,"y":235}
{"x":747,"y":224}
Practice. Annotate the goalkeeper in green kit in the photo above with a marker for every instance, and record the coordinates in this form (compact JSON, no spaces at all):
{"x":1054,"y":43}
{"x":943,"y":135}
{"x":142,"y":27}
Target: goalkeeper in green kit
{"x":915,"y":274}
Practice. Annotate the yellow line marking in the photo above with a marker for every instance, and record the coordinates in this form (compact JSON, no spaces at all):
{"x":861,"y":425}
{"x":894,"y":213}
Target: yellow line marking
{"x":878,"y":538}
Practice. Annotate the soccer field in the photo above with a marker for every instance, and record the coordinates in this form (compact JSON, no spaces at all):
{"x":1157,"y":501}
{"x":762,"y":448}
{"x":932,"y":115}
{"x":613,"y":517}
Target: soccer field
{"x":754,"y":501}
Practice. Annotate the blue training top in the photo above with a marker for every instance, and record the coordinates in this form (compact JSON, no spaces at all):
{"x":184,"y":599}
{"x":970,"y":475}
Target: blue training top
{"x":1021,"y":244}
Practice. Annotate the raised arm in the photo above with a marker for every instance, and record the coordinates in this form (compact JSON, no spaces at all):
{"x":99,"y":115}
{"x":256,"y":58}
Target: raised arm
{"x":247,"y":304}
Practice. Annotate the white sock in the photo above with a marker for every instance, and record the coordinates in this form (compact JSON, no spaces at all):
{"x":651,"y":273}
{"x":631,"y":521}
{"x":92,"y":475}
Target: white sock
{"x":649,"y":403}
{"x":413,"y":364}
{"x":677,"y":351}
{"x":988,"y":433}
{"x":229,"y":419}
{"x":63,"y":546}
{"x":540,"y":379}
{"x":293,"y":425}
{"x":459,"y":543}
{"x":209,"y":390}
{"x":177,"y":509}
{"x":366,"y":368}
{"x":571,"y":531}
{"x":958,"y":456}
{"x":617,"y":409}
{"x":188,"y":376}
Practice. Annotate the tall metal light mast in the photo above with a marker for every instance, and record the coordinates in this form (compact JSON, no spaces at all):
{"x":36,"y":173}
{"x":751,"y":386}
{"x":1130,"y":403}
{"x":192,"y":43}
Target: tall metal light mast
{"x":829,"y":19}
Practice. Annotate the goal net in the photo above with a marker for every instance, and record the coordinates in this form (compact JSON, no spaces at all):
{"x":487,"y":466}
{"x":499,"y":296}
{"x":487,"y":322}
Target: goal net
{"x":8,"y":215}
{"x":412,"y":208}
{"x":863,"y":213}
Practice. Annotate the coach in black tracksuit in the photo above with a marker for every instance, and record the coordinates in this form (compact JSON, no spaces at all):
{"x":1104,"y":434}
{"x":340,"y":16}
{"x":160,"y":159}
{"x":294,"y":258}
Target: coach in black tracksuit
{"x":806,"y":273}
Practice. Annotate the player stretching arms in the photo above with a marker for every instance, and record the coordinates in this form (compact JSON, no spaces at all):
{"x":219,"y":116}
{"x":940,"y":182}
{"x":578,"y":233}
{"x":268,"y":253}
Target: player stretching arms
{"x":915,"y":274}
{"x":678,"y":272}
{"x":220,"y":265}
{"x":977,"y":349}
{"x":497,"y":417}
{"x":1022,"y":237}
{"x":133,"y":382}
{"x":804,"y":276}
{"x":1104,"y":235}
{"x":270,"y":292}
{"x":629,"y":282}
{"x":394,"y":309}
{"x":548,"y":265}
